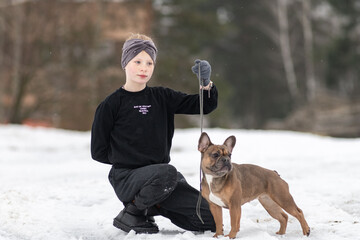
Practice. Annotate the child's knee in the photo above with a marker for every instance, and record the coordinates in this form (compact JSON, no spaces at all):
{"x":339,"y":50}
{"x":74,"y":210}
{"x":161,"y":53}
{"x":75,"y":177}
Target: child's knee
{"x":163,"y":183}
{"x":168,"y":175}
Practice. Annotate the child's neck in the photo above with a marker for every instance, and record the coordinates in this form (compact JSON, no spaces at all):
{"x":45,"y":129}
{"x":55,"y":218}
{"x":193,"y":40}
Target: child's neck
{"x":134,"y":87}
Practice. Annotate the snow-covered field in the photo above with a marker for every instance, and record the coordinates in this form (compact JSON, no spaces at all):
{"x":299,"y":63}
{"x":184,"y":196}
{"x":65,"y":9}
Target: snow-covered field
{"x":50,"y":188}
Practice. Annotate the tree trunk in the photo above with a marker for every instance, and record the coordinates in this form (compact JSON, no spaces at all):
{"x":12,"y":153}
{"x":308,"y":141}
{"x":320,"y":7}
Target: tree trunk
{"x":94,"y":60}
{"x":58,"y":69}
{"x":17,"y":83}
{"x":2,"y":81}
{"x":308,"y":48}
{"x":285,"y":48}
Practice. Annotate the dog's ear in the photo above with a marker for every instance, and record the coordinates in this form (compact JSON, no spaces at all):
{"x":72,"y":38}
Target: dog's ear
{"x":204,"y":142}
{"x":230,"y":143}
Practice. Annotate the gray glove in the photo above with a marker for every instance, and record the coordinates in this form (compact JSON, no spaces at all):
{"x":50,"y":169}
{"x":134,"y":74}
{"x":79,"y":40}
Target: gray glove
{"x":205,"y":71}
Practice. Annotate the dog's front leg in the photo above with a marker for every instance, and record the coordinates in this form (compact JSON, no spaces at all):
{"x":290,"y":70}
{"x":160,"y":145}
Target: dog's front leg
{"x":235,"y":215}
{"x":216,"y":211}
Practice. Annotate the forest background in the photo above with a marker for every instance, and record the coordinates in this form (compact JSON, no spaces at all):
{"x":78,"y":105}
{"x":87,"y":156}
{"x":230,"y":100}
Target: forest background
{"x":280,"y":64}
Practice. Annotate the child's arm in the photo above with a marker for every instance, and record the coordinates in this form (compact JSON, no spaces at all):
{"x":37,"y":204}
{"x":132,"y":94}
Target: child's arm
{"x":190,"y":104}
{"x":181,"y":103}
{"x":100,"y":133}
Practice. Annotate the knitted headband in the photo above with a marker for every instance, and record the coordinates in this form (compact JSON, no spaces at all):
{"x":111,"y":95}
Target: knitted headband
{"x":133,"y":47}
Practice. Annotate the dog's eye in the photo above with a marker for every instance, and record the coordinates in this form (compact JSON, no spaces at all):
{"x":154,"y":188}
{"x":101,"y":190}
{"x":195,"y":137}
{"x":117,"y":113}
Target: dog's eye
{"x":215,"y":155}
{"x":229,"y":155}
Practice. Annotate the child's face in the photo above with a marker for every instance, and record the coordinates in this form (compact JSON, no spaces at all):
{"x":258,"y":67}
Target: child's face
{"x":140,"y":69}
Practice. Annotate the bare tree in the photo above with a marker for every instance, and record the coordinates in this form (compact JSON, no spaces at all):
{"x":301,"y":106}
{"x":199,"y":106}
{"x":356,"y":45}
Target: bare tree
{"x":308,"y":48}
{"x":17,"y":80}
{"x":285,"y":48}
{"x":95,"y":59}
{"x":58,"y":76}
{"x":2,"y":40}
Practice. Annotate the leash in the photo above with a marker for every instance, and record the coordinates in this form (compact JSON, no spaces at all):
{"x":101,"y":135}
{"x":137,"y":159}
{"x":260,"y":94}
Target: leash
{"x":201,"y":96}
{"x":201,"y":100}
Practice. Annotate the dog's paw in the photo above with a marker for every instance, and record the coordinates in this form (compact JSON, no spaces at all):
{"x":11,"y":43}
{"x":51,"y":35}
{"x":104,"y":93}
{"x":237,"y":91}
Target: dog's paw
{"x":217,"y":235}
{"x":231,"y":235}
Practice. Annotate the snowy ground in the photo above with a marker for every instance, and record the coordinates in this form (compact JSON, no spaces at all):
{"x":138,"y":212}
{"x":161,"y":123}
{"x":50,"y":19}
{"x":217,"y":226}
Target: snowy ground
{"x":51,"y":189}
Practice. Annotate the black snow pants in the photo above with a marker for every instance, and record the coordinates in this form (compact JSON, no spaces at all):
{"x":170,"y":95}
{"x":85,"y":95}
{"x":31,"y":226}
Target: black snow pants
{"x":163,"y":186}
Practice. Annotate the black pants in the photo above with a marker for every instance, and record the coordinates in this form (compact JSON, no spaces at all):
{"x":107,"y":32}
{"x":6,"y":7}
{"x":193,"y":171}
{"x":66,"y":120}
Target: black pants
{"x":164,"y":186}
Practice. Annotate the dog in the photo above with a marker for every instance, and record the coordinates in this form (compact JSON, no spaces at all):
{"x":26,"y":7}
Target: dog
{"x":230,"y":185}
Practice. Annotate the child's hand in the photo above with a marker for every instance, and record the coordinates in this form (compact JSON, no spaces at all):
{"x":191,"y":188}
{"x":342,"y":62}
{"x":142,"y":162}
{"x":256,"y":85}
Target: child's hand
{"x":205,"y":71}
{"x":208,"y":87}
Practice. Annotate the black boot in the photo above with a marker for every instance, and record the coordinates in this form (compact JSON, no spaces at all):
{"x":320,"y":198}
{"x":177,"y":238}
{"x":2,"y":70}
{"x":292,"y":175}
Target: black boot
{"x":131,"y":218}
{"x":151,"y":212}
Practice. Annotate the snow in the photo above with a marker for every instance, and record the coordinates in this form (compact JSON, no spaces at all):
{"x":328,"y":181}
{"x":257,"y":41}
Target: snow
{"x":50,"y":188}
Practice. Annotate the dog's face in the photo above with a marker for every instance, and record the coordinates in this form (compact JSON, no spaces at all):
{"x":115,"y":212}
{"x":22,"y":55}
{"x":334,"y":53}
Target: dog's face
{"x":216,"y":159}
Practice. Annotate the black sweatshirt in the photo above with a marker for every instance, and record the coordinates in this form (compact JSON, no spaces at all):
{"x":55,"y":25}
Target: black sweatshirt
{"x":135,"y":129}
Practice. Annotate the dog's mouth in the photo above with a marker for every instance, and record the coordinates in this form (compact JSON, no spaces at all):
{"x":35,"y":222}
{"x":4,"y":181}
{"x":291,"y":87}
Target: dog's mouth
{"x":222,"y":168}
{"x":225,"y":168}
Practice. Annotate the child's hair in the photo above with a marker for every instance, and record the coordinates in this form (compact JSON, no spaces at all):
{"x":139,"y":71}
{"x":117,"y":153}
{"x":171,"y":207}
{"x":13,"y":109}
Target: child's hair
{"x":139,"y":36}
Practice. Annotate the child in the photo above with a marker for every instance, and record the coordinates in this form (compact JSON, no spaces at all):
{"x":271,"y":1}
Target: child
{"x":133,"y":130}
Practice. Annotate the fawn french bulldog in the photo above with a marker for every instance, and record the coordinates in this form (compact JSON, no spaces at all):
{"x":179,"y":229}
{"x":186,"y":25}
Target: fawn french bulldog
{"x":230,"y":185}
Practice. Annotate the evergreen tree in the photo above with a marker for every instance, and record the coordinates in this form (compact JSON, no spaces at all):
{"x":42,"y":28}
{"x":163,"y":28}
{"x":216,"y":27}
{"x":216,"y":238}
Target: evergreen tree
{"x":343,"y":60}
